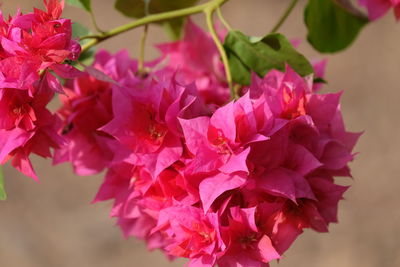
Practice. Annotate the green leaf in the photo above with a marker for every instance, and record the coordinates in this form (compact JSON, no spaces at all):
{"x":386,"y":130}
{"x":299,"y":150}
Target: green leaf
{"x":78,"y":30}
{"x":261,"y":55}
{"x":332,"y":25}
{"x":240,"y":73}
{"x":174,"y":28}
{"x":137,"y":9}
{"x":3,"y":195}
{"x":85,"y":4}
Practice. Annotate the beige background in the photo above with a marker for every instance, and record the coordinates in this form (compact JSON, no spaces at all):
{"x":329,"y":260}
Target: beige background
{"x":52,"y":224}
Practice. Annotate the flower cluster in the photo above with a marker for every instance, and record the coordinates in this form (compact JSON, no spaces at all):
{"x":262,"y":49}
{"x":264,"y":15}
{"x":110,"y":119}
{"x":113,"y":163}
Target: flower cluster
{"x":217,"y":182}
{"x":378,"y":8}
{"x":32,"y":47}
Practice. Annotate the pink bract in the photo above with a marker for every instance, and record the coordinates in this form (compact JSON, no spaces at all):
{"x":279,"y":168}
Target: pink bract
{"x":87,"y":106}
{"x":232,"y":187}
{"x":378,"y":8}
{"x":31,"y":46}
{"x":27,"y":127}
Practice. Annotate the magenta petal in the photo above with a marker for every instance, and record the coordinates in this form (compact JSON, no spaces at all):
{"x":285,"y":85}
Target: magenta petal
{"x":223,"y":119}
{"x":302,"y":187}
{"x":195,"y":131}
{"x":316,"y":221}
{"x":22,"y":163}
{"x":279,"y":183}
{"x":283,"y":235}
{"x":328,"y":195}
{"x":376,"y":8}
{"x":249,"y":217}
{"x":303,"y":160}
{"x":236,"y":163}
{"x":99,"y":75}
{"x":211,"y":188}
{"x":66,"y":71}
{"x":87,"y":155}
{"x":170,"y":152}
{"x":202,"y":261}
{"x":53,"y":83}
{"x":322,"y":108}
{"x":11,"y":140}
{"x":267,"y":250}
{"x":24,"y":22}
{"x":11,"y":47}
{"x":335,"y":156}
{"x":206,"y":161}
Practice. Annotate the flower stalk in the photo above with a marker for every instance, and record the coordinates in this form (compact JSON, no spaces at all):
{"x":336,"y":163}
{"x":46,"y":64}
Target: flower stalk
{"x":210,"y":24}
{"x":96,"y":39}
{"x":285,"y":15}
{"x":141,"y":68}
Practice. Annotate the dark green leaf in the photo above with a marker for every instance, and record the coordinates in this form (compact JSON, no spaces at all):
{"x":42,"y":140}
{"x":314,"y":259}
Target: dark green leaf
{"x":85,"y":4}
{"x":240,"y":73}
{"x":3,"y":194}
{"x":137,"y":9}
{"x":332,"y":24}
{"x":263,"y":54}
{"x":174,"y":28}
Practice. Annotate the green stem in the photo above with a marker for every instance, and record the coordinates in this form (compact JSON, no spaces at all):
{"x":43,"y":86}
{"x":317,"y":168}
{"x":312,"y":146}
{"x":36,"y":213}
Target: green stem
{"x":141,"y":70}
{"x":223,"y":20}
{"x":3,"y":194}
{"x":285,"y":15}
{"x":94,"y":22}
{"x":210,"y":24}
{"x":213,"y":4}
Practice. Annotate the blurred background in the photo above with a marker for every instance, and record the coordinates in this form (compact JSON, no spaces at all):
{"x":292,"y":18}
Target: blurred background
{"x":53,"y":223}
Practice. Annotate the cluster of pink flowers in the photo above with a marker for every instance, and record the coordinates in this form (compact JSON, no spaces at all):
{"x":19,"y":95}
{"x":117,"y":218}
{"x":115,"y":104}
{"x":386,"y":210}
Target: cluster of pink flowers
{"x":217,"y":182}
{"x":32,"y":47}
{"x":378,"y":8}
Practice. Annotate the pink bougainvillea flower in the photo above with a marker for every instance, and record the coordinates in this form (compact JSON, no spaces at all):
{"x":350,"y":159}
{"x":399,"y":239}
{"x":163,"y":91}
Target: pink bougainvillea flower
{"x":139,"y":199}
{"x":32,"y":46}
{"x":128,"y":185}
{"x":145,"y":121}
{"x":87,"y":106}
{"x":247,"y":180}
{"x":191,"y":234}
{"x":246,"y":244}
{"x":212,"y":141}
{"x":34,"y":43}
{"x":27,"y":127}
{"x":228,"y":184}
{"x":378,"y":8}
